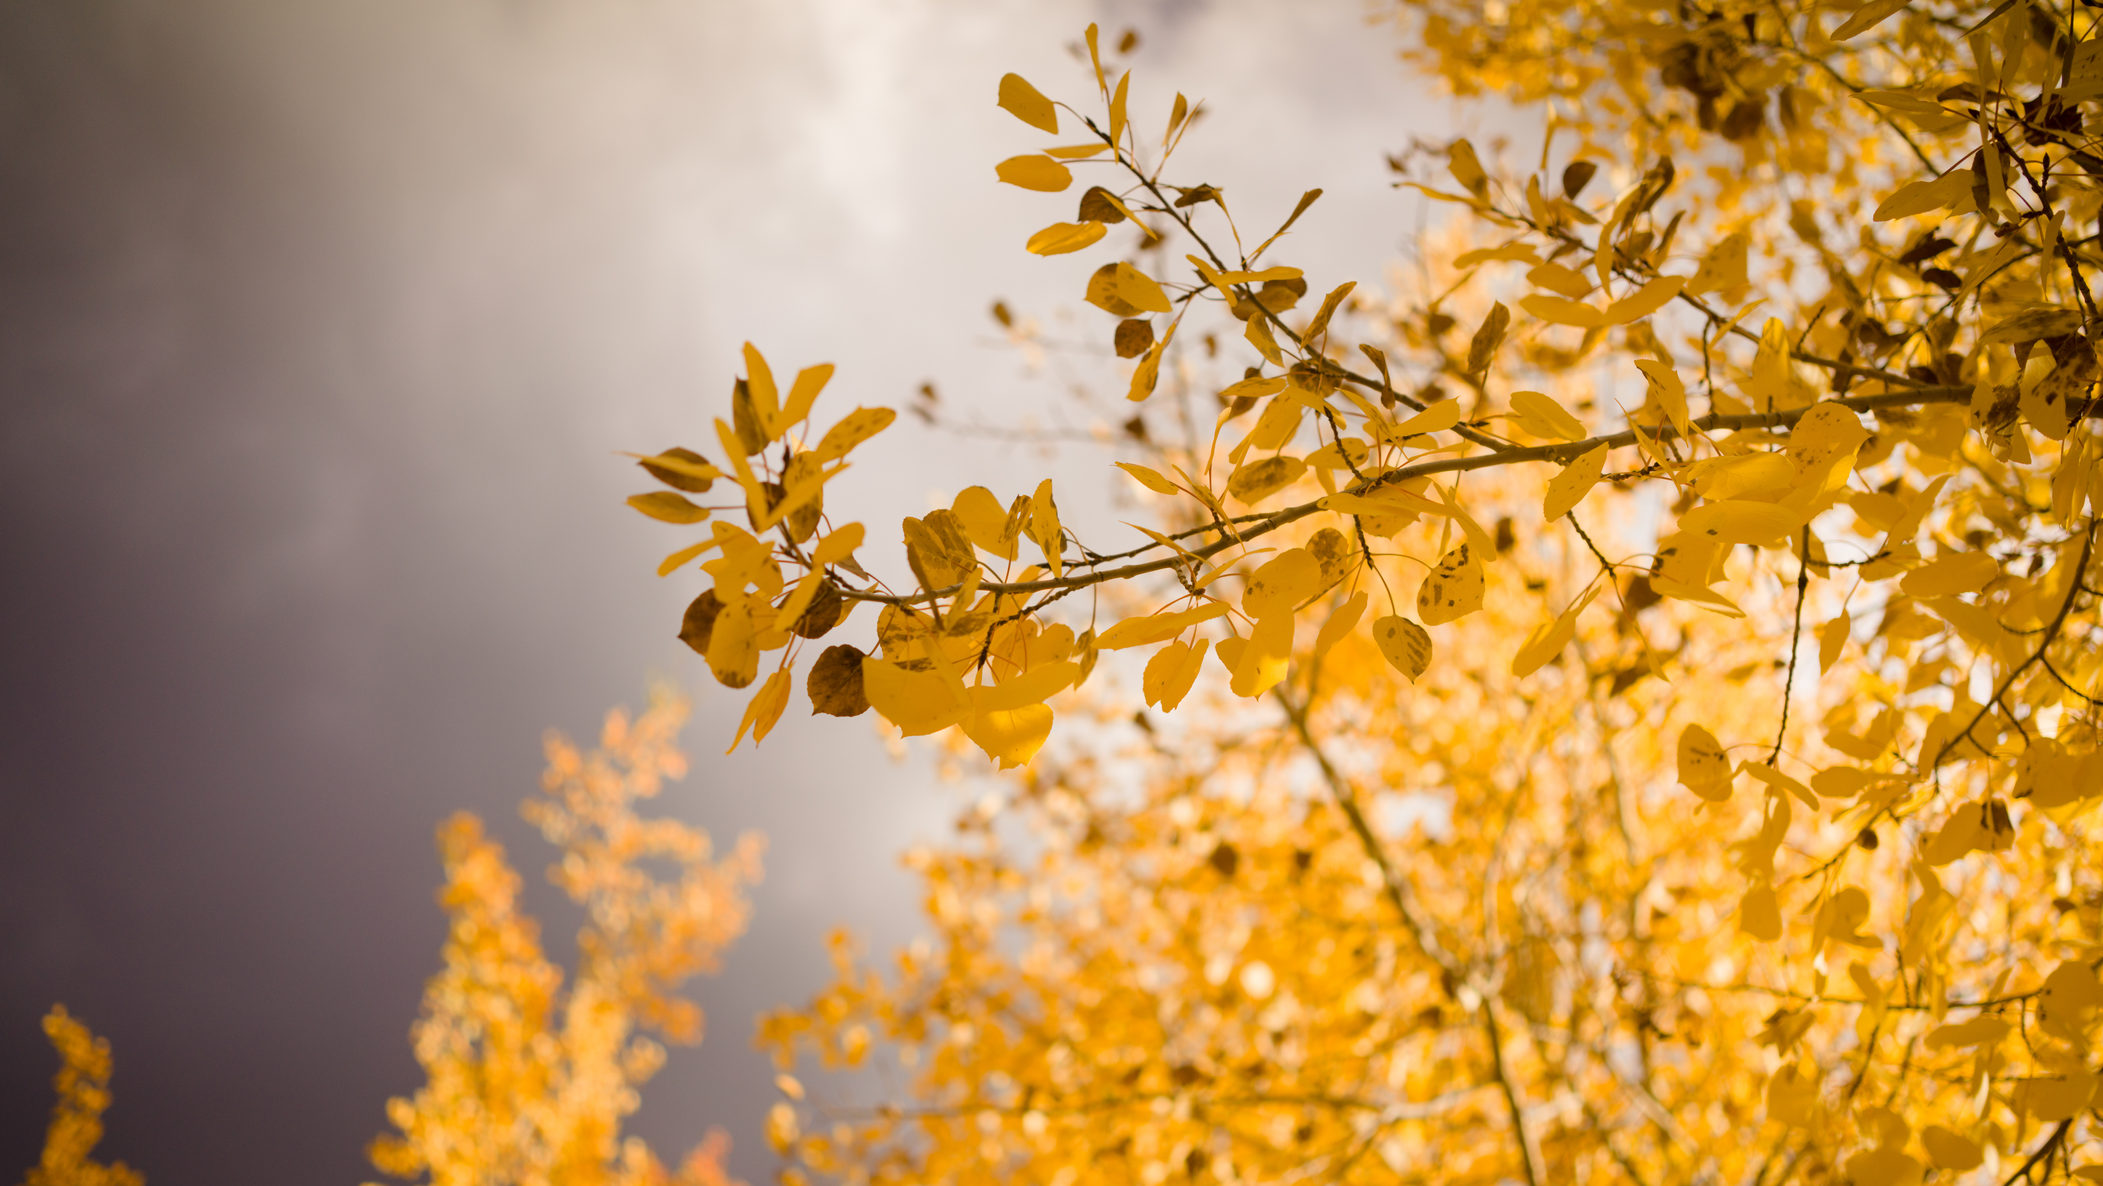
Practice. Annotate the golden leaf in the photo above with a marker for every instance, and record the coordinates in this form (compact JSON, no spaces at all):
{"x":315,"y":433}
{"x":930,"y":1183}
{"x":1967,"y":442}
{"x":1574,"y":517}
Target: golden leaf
{"x":1405,"y":645}
{"x":1023,"y":101}
{"x":1037,"y":172}
{"x":1452,"y":590}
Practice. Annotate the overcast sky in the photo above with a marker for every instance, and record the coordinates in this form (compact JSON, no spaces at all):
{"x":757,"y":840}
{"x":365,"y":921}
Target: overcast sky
{"x":322,"y":324}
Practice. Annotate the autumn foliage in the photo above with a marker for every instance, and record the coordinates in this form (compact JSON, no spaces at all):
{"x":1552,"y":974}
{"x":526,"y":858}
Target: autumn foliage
{"x":528,"y":1081}
{"x":83,"y":1089}
{"x":1618,"y":700}
{"x":1619,"y":703}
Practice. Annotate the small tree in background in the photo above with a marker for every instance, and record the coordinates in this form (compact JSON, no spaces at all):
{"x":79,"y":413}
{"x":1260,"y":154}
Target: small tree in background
{"x":528,"y":1082}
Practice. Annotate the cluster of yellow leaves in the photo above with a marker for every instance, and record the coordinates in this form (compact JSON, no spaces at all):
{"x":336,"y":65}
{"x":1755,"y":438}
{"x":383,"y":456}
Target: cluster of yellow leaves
{"x":1810,"y":425}
{"x":1353,"y":947}
{"x":83,"y":1087}
{"x":528,"y":1082}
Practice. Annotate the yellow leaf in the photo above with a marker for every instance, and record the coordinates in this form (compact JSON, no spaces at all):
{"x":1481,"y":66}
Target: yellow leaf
{"x":1264,"y":658}
{"x":681,"y":469}
{"x":679,"y":558}
{"x":1949,"y":1150}
{"x":1171,"y":673}
{"x":1035,"y":686}
{"x":1138,"y":632}
{"x":1666,"y":388}
{"x":1723,"y":267}
{"x":1826,"y":435}
{"x":1559,"y":311}
{"x":1542,"y":416}
{"x":1762,"y":477}
{"x":1884,"y":1166}
{"x":1384,"y":501}
{"x":1258,"y":332}
{"x":1867,"y":17}
{"x":1028,"y":104}
{"x":766,"y":401}
{"x":1782,"y":782}
{"x":1841,"y":782}
{"x":1255,"y":388}
{"x":1548,"y":639}
{"x":1010,"y":736}
{"x":1117,"y":108}
{"x":1149,"y":478}
{"x":2068,"y":1001}
{"x":764,"y":709}
{"x":1452,"y":590}
{"x":1561,"y":281}
{"x":1437,"y":418}
{"x":985,"y":521}
{"x":1258,"y":277}
{"x":837,"y":546}
{"x":1466,"y":167}
{"x":2054,"y":1098}
{"x":918,"y":702}
{"x":1951,"y":575}
{"x":733,"y":646}
{"x":1035,"y":171}
{"x":1320,"y":321}
{"x":1339,"y":623}
{"x":1281,"y":583}
{"x":1126,"y":291}
{"x":1983,"y":1030}
{"x":854,"y":428}
{"x":1258,"y":480}
{"x":1921,"y":197}
{"x":1644,"y":301}
{"x":1405,"y":645}
{"x":1149,"y":368}
{"x":1568,"y":488}
{"x":1044,"y":527}
{"x":1704,"y":767}
{"x":667,"y":507}
{"x":1062,"y":237}
{"x":804,"y":392}
{"x":1741,"y":521}
{"x":1760,"y":916}
{"x":800,"y":597}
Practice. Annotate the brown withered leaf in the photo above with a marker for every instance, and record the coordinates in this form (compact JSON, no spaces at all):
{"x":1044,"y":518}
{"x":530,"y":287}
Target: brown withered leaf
{"x":1134,"y":337}
{"x":1195,"y":194}
{"x":1332,"y":551}
{"x":826,"y":609}
{"x":835,"y":683}
{"x":1097,"y":206}
{"x":1280,"y":295}
{"x":1487,"y":338}
{"x":700,"y":621}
